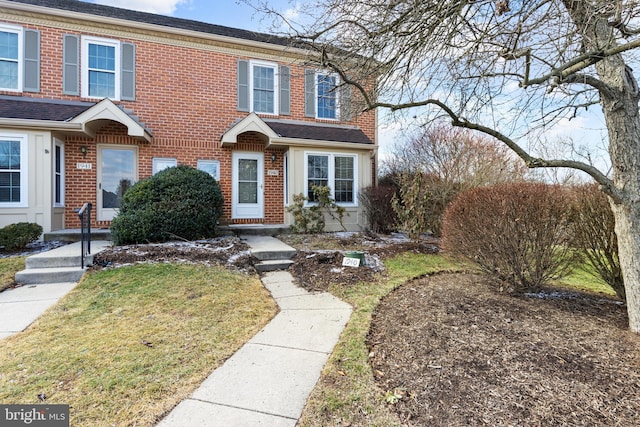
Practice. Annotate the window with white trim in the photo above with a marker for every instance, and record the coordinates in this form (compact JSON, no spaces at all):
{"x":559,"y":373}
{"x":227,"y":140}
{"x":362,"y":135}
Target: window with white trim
{"x":212,"y":167}
{"x":264,"y":87}
{"x":160,"y":164}
{"x":338,"y":171}
{"x":11,"y":54}
{"x":327,"y":96}
{"x":58,"y":175}
{"x":13,"y":170}
{"x":100,"y":68}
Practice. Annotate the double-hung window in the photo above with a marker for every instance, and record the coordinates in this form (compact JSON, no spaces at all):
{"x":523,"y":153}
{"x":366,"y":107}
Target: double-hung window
{"x":101,"y":68}
{"x":264,"y":87}
{"x":338,"y":171}
{"x":10,"y":58}
{"x":13,"y":170}
{"x":327,"y":96}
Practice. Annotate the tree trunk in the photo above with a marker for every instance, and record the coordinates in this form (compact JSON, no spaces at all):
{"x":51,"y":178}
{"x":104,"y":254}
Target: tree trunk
{"x":627,"y":216}
{"x":623,"y":124}
{"x":619,"y":99}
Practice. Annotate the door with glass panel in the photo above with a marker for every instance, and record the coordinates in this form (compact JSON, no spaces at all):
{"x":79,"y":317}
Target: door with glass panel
{"x":248,"y":186}
{"x":117,"y":171}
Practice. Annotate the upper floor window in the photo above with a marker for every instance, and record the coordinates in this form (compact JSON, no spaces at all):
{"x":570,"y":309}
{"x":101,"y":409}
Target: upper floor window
{"x":324,"y":97}
{"x":264,"y":87}
{"x":327,"y":96}
{"x":100,"y":68}
{"x":13,"y":170}
{"x":10,"y":58}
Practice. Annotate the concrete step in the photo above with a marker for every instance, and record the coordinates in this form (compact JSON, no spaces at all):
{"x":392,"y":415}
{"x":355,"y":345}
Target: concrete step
{"x":57,"y":262}
{"x":74,"y":235}
{"x":58,"y":265}
{"x":267,"y":248}
{"x":273,"y":265}
{"x":254,"y":229}
{"x":34,"y":276}
{"x":65,"y":256}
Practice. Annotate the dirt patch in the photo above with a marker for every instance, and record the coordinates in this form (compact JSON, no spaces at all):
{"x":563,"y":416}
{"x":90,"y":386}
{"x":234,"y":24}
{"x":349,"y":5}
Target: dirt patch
{"x":450,"y":350}
{"x":227,"y":251}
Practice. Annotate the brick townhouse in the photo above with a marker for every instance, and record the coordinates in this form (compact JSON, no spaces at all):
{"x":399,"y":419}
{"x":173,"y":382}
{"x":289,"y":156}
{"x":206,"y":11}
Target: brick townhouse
{"x":94,"y":98}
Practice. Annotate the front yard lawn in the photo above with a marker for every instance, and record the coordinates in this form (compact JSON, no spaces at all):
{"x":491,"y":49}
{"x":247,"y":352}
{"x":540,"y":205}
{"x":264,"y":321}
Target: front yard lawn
{"x":128,"y":344}
{"x":8,"y":269}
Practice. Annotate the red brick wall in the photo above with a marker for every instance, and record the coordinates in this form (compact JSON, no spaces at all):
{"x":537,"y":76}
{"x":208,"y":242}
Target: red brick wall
{"x":187,"y":97}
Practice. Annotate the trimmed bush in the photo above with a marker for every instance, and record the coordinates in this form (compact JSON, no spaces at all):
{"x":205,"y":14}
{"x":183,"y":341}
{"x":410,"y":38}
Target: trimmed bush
{"x":179,"y":202}
{"x":19,"y":235}
{"x":594,"y":233}
{"x":519,"y":233}
{"x":376,"y":202}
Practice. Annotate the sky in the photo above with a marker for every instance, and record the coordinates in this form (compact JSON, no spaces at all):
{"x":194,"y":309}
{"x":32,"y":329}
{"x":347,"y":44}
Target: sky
{"x":231,"y":13}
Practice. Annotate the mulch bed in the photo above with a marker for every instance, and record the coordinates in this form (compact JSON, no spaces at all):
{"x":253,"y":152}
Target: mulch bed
{"x":454,"y":351}
{"x":230,"y":252}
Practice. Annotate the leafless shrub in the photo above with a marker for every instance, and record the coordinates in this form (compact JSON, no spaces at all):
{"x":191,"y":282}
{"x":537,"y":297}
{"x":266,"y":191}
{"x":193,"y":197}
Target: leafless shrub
{"x":517,"y":232}
{"x":594,"y":233}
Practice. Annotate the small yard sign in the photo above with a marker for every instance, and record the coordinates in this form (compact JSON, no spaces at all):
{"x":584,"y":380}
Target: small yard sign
{"x":350,"y":262}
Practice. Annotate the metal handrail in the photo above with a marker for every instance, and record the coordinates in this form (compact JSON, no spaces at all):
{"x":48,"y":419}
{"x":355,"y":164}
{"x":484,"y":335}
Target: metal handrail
{"x":85,"y":219}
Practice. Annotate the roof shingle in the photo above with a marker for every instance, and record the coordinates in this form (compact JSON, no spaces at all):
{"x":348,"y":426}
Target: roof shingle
{"x":162,"y":20}
{"x":318,"y":132}
{"x":13,"y":107}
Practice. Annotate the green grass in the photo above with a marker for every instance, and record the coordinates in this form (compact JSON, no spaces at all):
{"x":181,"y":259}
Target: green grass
{"x":347,"y":393}
{"x":584,"y":279}
{"x":126,"y":345}
{"x":8,"y":269}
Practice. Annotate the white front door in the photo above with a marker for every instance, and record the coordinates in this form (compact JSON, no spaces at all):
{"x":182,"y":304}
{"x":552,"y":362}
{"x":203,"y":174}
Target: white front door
{"x":248,"y":186}
{"x":117,"y":171}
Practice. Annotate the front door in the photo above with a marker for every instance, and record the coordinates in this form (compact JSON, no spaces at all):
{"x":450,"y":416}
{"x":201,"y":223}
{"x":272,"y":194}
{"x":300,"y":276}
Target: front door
{"x":248,"y":186}
{"x":117,"y":171}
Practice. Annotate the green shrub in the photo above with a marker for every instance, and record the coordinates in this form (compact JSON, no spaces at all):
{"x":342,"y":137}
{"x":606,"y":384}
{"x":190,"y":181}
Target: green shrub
{"x":594,"y":233}
{"x":519,"y":233}
{"x":311,"y":219}
{"x":19,"y":235}
{"x":179,"y":202}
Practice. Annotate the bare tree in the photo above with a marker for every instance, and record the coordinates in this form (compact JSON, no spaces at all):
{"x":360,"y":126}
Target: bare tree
{"x":457,"y":157}
{"x":502,"y":67}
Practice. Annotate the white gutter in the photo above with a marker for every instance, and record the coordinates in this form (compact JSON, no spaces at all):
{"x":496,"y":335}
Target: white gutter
{"x":41,"y":125}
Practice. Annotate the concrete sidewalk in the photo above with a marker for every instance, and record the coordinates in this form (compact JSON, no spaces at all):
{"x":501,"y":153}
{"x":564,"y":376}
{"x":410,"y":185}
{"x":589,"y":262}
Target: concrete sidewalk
{"x":19,"y":307}
{"x":267,"y":382}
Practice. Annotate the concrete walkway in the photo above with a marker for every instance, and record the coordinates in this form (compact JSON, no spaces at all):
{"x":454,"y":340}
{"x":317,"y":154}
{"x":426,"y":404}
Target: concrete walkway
{"x":19,"y":307}
{"x":267,"y":382}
